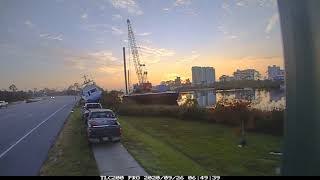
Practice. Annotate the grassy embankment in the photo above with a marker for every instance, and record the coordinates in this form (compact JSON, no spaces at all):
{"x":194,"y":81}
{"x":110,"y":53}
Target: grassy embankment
{"x":175,"y":147}
{"x":71,"y":154}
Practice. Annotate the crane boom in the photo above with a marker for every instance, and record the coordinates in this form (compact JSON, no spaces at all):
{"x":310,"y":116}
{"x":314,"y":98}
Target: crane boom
{"x":142,"y":75}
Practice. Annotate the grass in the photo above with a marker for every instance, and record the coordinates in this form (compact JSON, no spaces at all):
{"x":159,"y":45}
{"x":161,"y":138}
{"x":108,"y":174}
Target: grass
{"x":227,"y":113}
{"x":71,"y":155}
{"x":167,"y":146}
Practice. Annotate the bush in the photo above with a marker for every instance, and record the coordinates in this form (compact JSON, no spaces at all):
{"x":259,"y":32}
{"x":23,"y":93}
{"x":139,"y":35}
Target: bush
{"x":228,"y":113}
{"x":111,"y":99}
{"x":11,"y":96}
{"x":232,"y":113}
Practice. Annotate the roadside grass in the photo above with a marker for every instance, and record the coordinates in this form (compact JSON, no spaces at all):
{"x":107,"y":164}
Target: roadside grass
{"x":167,"y":146}
{"x":71,"y":154}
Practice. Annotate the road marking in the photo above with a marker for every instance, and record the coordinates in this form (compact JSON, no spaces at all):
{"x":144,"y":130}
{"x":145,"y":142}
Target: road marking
{"x":12,"y":146}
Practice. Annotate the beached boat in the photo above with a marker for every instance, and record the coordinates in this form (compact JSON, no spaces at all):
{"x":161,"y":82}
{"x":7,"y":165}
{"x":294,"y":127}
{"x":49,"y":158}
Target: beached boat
{"x":90,"y":91}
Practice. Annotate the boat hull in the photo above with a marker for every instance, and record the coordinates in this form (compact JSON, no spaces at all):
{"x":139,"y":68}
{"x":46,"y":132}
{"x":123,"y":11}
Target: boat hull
{"x":165,"y":98}
{"x":91,"y":93}
{"x":93,"y":98}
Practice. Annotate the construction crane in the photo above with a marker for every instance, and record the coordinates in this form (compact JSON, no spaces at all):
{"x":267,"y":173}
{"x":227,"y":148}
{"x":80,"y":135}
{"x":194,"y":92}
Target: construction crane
{"x":142,"y":74}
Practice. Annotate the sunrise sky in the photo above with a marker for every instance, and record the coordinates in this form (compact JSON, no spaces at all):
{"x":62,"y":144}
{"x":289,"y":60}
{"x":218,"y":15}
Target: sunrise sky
{"x":53,"y":43}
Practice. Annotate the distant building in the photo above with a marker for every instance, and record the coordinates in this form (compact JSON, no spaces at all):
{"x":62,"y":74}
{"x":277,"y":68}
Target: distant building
{"x":247,"y":74}
{"x":177,"y":81}
{"x":275,"y":73}
{"x":225,"y":78}
{"x":161,"y":88}
{"x":203,"y":76}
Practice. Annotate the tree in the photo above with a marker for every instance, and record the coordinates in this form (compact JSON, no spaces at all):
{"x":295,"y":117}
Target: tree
{"x":188,"y":82}
{"x":77,"y":86}
{"x":190,"y":102}
{"x":13,"y":88}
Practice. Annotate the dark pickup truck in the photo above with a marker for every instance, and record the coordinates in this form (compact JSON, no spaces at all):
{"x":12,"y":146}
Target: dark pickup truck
{"x":102,"y":125}
{"x":87,"y":107}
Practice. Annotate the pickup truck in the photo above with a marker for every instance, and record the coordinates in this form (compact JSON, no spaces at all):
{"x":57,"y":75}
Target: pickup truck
{"x":102,"y":125}
{"x":87,"y":107}
{"x":3,"y":104}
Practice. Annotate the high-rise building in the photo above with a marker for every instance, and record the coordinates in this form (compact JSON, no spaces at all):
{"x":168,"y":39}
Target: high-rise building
{"x":203,"y":75}
{"x":275,"y":73}
{"x":247,"y":74}
{"x":177,"y":81}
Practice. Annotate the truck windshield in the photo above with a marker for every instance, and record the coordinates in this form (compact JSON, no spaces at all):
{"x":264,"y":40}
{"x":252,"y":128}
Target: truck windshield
{"x":106,"y":114}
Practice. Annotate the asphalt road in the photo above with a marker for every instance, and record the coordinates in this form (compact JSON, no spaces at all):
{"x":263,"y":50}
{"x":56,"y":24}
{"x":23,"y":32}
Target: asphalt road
{"x":27,"y":131}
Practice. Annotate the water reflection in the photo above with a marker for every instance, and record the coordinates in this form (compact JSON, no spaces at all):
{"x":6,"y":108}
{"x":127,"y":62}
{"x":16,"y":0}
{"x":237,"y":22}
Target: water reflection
{"x":205,"y":98}
{"x":260,"y":99}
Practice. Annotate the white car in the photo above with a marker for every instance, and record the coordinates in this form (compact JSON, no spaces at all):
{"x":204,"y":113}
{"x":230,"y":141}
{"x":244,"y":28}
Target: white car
{"x":3,"y":104}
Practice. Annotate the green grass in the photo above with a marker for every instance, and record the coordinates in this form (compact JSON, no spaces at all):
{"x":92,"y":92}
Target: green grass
{"x":71,"y":155}
{"x":166,"y":146}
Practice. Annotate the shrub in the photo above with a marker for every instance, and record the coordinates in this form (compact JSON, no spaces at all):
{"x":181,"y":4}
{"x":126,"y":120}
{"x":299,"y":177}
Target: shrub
{"x":228,"y":113}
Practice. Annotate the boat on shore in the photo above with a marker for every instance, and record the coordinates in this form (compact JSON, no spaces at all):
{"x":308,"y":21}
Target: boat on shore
{"x":154,"y":98}
{"x":90,"y":92}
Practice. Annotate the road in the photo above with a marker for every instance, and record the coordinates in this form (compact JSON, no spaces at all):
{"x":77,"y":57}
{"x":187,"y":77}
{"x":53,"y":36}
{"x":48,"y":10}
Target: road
{"x":27,"y":132}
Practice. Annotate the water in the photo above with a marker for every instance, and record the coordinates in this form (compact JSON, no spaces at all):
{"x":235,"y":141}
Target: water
{"x":260,"y":99}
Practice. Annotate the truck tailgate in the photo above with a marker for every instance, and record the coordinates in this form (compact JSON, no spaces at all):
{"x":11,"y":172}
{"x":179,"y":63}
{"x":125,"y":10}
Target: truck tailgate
{"x":106,"y":131}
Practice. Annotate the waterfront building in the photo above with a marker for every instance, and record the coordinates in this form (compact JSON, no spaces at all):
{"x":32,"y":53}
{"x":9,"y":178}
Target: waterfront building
{"x":275,"y":73}
{"x":203,"y":75}
{"x":247,"y":74}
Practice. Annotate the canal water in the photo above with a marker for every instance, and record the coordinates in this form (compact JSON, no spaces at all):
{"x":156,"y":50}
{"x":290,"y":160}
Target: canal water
{"x":260,"y":99}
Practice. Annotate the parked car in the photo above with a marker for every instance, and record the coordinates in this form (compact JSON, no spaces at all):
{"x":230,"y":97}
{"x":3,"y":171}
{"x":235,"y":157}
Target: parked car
{"x":102,"y":125}
{"x":3,"y":104}
{"x":87,"y":107}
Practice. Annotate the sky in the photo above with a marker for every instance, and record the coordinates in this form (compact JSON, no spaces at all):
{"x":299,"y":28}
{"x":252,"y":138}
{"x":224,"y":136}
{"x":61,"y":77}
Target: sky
{"x":53,"y":43}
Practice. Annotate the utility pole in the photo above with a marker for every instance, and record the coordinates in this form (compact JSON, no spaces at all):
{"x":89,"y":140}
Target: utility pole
{"x":125,"y":68}
{"x":129,"y":84}
{"x":301,"y":45}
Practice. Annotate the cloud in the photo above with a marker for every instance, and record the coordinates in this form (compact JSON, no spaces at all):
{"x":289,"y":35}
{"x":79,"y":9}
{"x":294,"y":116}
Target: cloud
{"x":130,"y":5}
{"x":226,"y":6}
{"x":29,"y":24}
{"x":102,"y":28}
{"x":104,"y":55}
{"x":96,"y":27}
{"x":144,"y":34}
{"x":182,"y":2}
{"x":183,"y":5}
{"x":258,"y":58}
{"x":151,"y":55}
{"x":241,"y":3}
{"x":100,"y":41}
{"x":116,"y":17}
{"x":226,"y":33}
{"x":232,"y":37}
{"x":84,"y":16}
{"x":256,"y":3}
{"x":100,"y":61}
{"x":273,"y":20}
{"x":116,"y":31}
{"x":51,"y":37}
{"x":110,"y":70}
{"x":193,"y":57}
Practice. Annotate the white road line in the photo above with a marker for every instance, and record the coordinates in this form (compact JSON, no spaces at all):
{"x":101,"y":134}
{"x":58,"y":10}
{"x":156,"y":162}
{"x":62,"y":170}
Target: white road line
{"x":12,"y":146}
